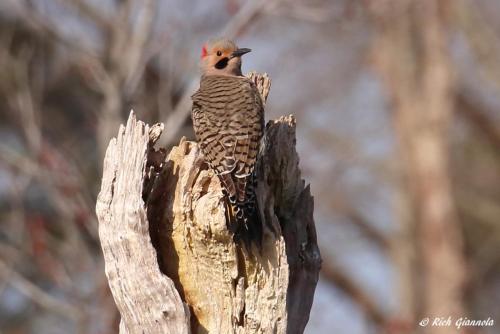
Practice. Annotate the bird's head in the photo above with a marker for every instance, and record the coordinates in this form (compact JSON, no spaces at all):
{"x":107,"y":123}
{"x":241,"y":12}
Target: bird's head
{"x":221,"y":57}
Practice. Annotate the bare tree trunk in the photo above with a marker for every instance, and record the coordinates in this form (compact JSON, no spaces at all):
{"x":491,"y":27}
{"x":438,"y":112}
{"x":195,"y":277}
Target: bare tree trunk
{"x":411,"y":54}
{"x":199,"y":280}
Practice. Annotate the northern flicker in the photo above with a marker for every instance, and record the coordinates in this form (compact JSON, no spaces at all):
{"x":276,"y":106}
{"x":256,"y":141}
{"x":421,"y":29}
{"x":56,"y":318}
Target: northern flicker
{"x":228,"y":121}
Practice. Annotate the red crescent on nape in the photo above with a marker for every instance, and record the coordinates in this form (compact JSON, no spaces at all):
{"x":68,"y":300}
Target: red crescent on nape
{"x":204,"y":51}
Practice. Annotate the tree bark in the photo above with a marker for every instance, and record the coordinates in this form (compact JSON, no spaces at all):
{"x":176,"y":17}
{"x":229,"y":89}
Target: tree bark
{"x":171,"y":262}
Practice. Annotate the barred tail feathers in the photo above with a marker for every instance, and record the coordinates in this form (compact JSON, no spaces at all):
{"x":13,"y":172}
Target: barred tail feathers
{"x":245,"y":222}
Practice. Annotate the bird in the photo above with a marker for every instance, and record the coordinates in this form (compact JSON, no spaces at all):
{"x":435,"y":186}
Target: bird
{"x":228,"y":122}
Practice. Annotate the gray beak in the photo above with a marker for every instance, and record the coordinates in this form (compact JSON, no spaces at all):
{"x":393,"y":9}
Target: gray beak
{"x":240,"y":52}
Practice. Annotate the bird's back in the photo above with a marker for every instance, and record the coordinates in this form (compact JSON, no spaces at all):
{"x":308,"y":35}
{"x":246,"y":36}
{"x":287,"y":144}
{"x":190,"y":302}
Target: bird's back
{"x":228,"y":120}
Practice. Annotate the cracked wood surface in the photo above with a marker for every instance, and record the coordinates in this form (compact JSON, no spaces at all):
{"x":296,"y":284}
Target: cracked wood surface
{"x":171,"y":262}
{"x":130,"y":259}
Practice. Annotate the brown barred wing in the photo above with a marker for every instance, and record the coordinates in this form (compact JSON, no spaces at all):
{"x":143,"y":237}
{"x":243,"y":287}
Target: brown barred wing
{"x":211,"y":144}
{"x":228,"y":122}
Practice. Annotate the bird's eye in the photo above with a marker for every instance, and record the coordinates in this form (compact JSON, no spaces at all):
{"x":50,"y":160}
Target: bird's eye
{"x":219,"y":53}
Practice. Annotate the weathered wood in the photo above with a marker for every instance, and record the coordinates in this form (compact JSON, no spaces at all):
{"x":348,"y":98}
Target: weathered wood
{"x":227,"y":288}
{"x":146,"y":299}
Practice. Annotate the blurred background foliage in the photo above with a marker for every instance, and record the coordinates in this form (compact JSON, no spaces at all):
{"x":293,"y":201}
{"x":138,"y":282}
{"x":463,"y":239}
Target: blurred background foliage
{"x":397,"y":105}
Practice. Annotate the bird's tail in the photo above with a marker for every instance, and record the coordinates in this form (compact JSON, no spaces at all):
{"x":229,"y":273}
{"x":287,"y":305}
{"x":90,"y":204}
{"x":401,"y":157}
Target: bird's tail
{"x":245,"y":222}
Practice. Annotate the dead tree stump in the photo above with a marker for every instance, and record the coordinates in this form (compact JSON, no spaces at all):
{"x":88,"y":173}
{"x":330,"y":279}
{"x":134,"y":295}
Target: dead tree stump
{"x":172,"y":264}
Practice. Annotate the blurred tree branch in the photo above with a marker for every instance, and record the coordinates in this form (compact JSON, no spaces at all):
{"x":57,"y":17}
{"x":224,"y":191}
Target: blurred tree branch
{"x":476,"y":112}
{"x":90,"y":12}
{"x":414,"y":63}
{"x":345,"y":283}
{"x":365,"y":225}
{"x":38,"y":295}
{"x":481,"y":38}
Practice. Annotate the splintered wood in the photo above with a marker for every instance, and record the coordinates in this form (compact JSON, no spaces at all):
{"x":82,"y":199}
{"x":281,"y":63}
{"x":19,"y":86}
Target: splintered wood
{"x":171,"y":262}
{"x":146,"y":299}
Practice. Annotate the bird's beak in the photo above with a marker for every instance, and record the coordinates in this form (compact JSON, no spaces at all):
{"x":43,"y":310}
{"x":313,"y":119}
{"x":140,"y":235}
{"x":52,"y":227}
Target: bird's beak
{"x":240,"y":52}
